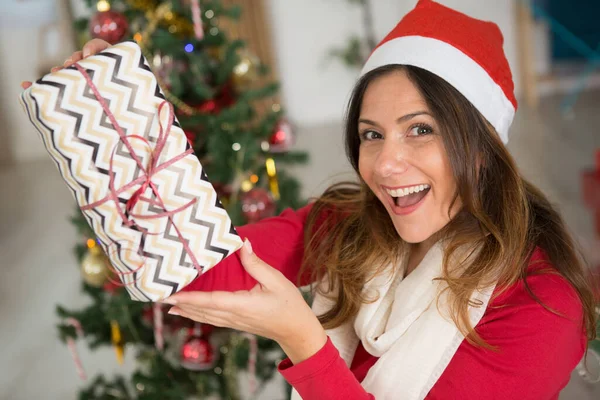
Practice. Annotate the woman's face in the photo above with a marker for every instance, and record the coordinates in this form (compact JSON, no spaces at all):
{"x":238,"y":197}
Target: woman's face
{"x":402,"y":158}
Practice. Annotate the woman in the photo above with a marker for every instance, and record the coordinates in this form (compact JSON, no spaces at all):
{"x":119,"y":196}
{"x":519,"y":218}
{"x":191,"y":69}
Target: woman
{"x":443,"y":273}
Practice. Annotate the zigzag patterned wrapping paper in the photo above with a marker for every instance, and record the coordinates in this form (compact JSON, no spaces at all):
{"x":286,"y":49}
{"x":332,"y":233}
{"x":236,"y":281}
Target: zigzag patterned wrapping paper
{"x":150,"y":257}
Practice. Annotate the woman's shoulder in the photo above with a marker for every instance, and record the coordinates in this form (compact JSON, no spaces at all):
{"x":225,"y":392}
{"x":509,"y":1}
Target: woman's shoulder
{"x":542,"y":290}
{"x":536,"y":329}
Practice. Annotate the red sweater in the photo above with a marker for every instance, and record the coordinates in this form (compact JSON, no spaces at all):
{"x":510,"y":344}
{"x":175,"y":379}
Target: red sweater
{"x":538,"y":349}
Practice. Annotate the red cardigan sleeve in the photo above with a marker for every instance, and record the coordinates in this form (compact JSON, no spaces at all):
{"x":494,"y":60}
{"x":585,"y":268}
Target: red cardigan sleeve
{"x":536,"y":349}
{"x":325,"y":375}
{"x":279,"y":241}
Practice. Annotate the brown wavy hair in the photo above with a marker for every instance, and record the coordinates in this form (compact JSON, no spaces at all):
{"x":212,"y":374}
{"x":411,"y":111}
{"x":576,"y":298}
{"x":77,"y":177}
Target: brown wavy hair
{"x":350,"y":237}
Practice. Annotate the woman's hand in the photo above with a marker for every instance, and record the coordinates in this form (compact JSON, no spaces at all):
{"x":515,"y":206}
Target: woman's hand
{"x":90,"y":48}
{"x":274,"y":308}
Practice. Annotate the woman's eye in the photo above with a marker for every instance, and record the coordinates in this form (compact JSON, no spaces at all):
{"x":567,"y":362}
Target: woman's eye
{"x":421,"y":130}
{"x":370,"y":135}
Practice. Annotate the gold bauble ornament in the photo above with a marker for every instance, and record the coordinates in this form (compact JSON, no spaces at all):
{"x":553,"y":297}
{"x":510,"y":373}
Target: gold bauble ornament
{"x":95,"y":267}
{"x":143,"y":5}
{"x":245,"y":72}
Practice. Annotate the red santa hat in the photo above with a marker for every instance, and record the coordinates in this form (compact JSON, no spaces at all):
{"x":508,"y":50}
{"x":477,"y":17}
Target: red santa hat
{"x":464,"y":51}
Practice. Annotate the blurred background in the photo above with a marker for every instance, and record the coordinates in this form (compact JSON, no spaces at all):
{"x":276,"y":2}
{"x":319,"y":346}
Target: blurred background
{"x":219,"y":62}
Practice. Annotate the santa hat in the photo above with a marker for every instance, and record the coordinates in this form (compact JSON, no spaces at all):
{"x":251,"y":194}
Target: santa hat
{"x":464,"y":51}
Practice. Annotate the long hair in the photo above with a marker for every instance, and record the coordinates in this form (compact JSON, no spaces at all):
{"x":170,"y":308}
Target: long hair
{"x":350,"y":237}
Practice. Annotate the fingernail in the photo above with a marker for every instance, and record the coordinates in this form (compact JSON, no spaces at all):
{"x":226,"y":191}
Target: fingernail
{"x":86,"y":52}
{"x":169,"y":301}
{"x":247,"y":246}
{"x":172,"y":312}
{"x":68,"y":61}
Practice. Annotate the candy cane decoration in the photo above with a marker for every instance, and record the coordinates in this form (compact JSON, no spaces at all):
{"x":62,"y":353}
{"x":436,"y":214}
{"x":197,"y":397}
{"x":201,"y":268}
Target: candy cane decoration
{"x":159,"y":340}
{"x":73,"y":349}
{"x":197,"y":20}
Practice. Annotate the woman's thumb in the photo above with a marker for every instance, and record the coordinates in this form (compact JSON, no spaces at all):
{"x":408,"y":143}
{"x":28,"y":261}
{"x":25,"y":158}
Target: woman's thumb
{"x":252,"y":264}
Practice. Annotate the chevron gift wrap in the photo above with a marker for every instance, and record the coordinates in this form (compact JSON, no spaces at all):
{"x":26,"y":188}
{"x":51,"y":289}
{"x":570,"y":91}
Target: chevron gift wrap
{"x":122,"y":153}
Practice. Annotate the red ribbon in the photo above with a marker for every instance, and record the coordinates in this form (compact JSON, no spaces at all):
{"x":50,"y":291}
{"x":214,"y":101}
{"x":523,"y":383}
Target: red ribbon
{"x":145,"y":179}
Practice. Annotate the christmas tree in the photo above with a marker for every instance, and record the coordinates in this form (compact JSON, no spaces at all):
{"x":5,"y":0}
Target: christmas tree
{"x":214,"y":84}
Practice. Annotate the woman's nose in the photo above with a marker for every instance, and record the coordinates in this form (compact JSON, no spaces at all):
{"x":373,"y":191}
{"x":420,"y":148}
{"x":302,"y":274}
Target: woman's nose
{"x":392,"y":159}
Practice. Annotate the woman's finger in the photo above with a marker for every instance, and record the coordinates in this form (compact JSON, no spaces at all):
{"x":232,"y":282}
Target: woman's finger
{"x":215,"y":318}
{"x":203,"y":313}
{"x":217,"y":300}
{"x":77,"y":56}
{"x":25,"y":84}
{"x":94,"y":46}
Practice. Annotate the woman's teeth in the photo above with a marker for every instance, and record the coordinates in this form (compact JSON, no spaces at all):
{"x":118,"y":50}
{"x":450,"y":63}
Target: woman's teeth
{"x":407,"y":190}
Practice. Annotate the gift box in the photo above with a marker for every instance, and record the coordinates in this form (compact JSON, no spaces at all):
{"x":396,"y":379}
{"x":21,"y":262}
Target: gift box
{"x":115,"y":140}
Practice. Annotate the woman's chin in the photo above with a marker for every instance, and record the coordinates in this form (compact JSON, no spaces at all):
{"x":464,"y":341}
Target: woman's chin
{"x":413,"y":236}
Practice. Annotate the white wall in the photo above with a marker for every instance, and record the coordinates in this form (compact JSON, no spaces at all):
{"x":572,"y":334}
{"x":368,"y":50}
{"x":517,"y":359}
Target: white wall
{"x":315,"y":91}
{"x":28,"y":45}
{"x":305,"y":30}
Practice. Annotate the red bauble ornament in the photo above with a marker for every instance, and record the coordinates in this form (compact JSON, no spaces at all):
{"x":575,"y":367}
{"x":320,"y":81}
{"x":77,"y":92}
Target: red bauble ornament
{"x":282,"y":138}
{"x":227,"y":97}
{"x":111,"y":286}
{"x":197,"y":354}
{"x":207,"y":107}
{"x":224,"y":98}
{"x":223,"y":191}
{"x":207,"y":329}
{"x":191,"y":137}
{"x":148,"y":316}
{"x":257,"y":204}
{"x":109,"y":25}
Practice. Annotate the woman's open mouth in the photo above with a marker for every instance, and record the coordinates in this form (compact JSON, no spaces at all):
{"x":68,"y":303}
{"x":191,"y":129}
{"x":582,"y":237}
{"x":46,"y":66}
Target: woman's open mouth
{"x":407,"y":199}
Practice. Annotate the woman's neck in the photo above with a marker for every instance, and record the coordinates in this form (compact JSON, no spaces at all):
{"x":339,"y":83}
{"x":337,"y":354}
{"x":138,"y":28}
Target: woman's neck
{"x":417,"y":253}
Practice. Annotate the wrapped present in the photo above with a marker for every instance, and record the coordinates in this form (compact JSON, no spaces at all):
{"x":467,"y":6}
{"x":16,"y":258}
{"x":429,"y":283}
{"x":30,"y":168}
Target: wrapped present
{"x":122,"y":153}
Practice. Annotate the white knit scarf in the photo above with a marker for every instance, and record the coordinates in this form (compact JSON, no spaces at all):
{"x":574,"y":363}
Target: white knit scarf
{"x":413,"y":338}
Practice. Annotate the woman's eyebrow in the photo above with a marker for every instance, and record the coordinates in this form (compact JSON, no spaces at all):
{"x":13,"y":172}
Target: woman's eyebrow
{"x":404,"y":118}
